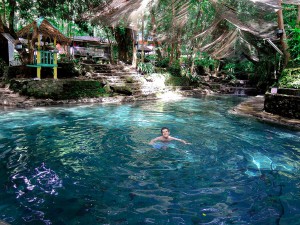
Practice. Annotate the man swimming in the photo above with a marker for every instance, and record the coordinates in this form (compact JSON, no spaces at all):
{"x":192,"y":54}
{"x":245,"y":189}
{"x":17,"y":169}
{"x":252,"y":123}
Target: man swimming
{"x":165,"y":137}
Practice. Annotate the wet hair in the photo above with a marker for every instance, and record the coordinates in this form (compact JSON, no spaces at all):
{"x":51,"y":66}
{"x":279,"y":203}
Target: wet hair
{"x":164,"y":128}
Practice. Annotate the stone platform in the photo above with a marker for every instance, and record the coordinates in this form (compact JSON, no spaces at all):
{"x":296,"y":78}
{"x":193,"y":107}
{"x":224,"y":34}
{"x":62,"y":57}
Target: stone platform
{"x":254,"y":107}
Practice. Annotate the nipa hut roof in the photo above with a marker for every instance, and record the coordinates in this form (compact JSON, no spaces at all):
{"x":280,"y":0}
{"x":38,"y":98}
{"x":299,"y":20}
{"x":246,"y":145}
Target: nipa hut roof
{"x":44,"y":27}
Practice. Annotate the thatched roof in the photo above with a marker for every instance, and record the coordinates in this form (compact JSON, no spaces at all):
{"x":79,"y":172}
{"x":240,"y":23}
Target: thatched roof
{"x":42,"y":26}
{"x":144,"y":48}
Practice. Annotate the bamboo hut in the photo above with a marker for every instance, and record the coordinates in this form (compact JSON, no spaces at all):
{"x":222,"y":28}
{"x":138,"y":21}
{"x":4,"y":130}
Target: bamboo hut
{"x":38,"y":31}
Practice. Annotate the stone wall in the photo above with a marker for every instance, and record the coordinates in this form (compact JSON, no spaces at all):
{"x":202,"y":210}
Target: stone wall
{"x":58,"y":89}
{"x":283,"y":104}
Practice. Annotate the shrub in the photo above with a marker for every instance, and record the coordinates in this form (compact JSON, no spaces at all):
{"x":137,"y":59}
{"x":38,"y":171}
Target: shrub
{"x":58,"y":89}
{"x":290,"y":78}
{"x":82,"y":89}
{"x":145,"y":68}
{"x":163,"y":63}
{"x":177,"y":81}
{"x":175,"y":69}
{"x":294,"y":46}
{"x":205,"y":61}
{"x":3,"y":68}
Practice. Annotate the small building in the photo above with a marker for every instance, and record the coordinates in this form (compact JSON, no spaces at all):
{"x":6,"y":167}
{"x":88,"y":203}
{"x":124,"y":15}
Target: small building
{"x":41,"y":32}
{"x":7,"y":47}
{"x":94,"y":47}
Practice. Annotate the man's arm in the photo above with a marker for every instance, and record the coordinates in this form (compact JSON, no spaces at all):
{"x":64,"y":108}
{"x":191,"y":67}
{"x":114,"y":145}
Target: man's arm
{"x":183,"y":141}
{"x":154,"y":140}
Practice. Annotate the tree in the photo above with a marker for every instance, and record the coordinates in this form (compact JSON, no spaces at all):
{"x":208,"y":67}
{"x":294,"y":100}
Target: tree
{"x":298,"y":16}
{"x":283,"y":37}
{"x":123,"y":36}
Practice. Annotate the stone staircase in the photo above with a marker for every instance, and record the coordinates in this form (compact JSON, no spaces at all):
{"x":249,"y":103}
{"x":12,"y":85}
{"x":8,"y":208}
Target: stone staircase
{"x":121,"y":77}
{"x":239,"y":88}
{"x":125,"y":83}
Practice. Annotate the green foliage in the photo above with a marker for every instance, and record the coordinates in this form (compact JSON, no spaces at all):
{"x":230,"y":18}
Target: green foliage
{"x":290,"y":78}
{"x":82,"y":89}
{"x":151,"y":58}
{"x":3,"y":68}
{"x":294,"y":46}
{"x":175,"y":69}
{"x":263,"y":72}
{"x":145,"y":68}
{"x":205,"y":60}
{"x":58,"y":89}
{"x":177,"y":81}
{"x":164,"y":63}
{"x":245,"y":66}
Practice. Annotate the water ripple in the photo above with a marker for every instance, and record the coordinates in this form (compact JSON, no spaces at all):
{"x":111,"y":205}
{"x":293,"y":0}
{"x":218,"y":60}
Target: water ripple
{"x":31,"y":189}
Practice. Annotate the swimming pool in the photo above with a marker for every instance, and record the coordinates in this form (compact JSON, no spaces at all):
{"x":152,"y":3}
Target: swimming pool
{"x":92,"y":164}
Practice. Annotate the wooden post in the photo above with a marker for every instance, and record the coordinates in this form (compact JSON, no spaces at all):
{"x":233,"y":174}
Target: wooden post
{"x":55,"y":60}
{"x":38,"y":57}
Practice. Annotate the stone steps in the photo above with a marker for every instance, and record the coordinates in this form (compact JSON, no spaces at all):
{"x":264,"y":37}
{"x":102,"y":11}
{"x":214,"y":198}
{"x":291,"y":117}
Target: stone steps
{"x":118,"y":76}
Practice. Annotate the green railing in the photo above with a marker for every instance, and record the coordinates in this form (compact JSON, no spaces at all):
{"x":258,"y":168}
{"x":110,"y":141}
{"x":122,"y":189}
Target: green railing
{"x":47,"y":58}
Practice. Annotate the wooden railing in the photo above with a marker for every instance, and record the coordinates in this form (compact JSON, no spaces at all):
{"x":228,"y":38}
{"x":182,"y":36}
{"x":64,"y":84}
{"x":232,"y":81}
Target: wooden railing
{"x":45,"y":59}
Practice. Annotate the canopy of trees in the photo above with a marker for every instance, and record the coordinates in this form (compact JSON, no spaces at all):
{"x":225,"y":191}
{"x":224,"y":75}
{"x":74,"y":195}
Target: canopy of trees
{"x":263,"y":32}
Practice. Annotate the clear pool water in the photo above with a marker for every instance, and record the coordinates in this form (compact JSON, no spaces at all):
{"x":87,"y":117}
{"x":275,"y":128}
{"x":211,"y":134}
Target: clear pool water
{"x":93,"y":165}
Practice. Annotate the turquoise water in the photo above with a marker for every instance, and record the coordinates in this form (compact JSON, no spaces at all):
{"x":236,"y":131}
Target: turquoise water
{"x":93,"y":165}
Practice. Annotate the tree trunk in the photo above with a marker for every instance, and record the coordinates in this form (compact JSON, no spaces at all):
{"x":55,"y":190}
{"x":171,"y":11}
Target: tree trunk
{"x":193,"y":60}
{"x":173,"y":31}
{"x":143,"y":52}
{"x":123,"y":38}
{"x":217,"y":67}
{"x":193,"y":44}
{"x":134,"y":57}
{"x":298,"y":16}
{"x":4,"y":12}
{"x":178,"y":46}
{"x":172,"y":53}
{"x":111,"y":57}
{"x":283,"y":37}
{"x":154,"y":28}
{"x":12,"y":4}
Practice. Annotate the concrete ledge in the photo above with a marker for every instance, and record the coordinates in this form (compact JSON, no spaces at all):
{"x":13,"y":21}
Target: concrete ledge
{"x":254,"y":107}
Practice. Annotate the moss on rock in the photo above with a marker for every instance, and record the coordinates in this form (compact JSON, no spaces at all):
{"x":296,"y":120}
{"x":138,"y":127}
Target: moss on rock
{"x":58,"y":89}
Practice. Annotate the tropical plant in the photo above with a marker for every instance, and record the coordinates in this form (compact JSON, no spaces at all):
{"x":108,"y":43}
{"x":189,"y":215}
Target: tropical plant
{"x":145,"y":68}
{"x":290,"y":78}
{"x":294,"y":46}
{"x":175,"y":69}
{"x":163,"y":63}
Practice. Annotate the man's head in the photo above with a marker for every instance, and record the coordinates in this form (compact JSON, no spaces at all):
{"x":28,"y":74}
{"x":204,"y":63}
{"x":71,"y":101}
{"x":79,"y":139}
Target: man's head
{"x":165,"y":132}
